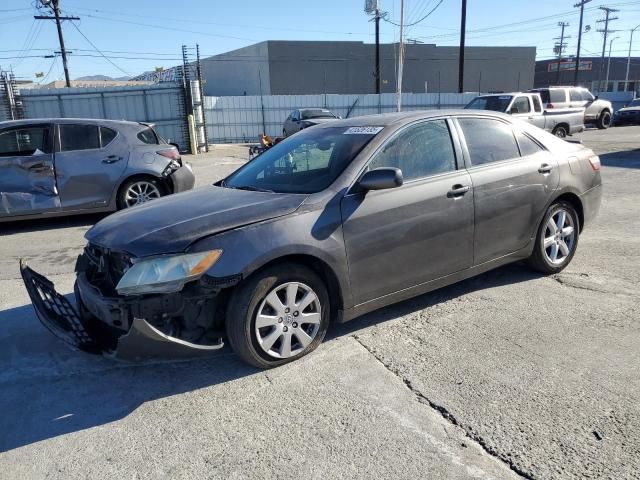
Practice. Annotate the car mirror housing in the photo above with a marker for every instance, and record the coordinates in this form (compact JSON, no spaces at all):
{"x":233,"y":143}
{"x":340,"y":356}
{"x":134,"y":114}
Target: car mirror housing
{"x":381,"y":179}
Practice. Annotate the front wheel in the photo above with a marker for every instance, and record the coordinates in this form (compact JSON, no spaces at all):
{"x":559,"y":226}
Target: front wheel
{"x":278,"y":315}
{"x":604,"y":120}
{"x":557,"y":239}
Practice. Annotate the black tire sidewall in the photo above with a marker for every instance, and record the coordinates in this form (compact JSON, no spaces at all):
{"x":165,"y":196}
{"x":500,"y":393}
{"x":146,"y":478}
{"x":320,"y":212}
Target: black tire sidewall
{"x":560,"y":128}
{"x":601,"y":123}
{"x":244,"y":304}
{"x":540,"y":256}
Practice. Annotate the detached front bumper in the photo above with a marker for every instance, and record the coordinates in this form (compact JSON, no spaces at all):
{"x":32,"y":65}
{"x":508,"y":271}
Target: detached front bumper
{"x":87,"y":327}
{"x":183,"y":178}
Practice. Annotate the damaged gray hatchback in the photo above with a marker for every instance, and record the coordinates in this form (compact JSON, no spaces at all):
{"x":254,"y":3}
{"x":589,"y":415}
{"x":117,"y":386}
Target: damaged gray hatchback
{"x":331,"y":223}
{"x":65,"y":166}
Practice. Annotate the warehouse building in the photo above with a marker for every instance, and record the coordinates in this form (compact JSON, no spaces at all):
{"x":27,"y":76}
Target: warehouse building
{"x":313,"y":67}
{"x":592,"y":70}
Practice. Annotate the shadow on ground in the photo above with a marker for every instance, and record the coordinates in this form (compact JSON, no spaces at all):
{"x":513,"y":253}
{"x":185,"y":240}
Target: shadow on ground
{"x":54,"y":223}
{"x":626,"y":159}
{"x":49,"y":390}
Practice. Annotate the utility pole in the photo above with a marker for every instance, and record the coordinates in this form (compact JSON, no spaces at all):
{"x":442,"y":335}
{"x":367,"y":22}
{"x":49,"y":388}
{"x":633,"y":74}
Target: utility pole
{"x":606,"y":81}
{"x":54,"y":5}
{"x":608,"y":18}
{"x":559,"y":47}
{"x":626,"y":77}
{"x":400,"y":58}
{"x":376,"y":19}
{"x":463,"y":29}
{"x":577,"y":67}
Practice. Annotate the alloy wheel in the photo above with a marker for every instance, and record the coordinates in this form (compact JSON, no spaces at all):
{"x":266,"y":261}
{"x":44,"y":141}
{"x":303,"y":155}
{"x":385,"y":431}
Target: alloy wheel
{"x":288,"y":320}
{"x":141,"y":192}
{"x":559,"y":237}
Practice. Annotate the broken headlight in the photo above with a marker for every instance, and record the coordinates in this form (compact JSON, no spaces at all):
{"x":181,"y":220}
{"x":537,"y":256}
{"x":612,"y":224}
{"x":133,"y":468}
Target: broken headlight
{"x":166,"y":274}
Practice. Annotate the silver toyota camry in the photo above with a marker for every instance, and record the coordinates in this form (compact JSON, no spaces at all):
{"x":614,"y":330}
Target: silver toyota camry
{"x":54,"y":167}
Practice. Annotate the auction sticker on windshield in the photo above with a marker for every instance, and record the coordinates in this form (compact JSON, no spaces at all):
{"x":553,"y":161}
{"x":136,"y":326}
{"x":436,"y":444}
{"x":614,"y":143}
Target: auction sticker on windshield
{"x":363,"y":130}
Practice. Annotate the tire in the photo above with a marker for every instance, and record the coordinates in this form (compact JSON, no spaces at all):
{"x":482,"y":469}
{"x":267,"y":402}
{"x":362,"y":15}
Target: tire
{"x":554,"y":258}
{"x":265,"y":347}
{"x":560,"y":131}
{"x":154,"y":188}
{"x":604,"y":120}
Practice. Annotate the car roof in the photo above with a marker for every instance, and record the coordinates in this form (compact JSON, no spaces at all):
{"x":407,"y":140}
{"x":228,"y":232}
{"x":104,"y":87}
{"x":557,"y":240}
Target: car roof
{"x":387,"y":119}
{"x":96,"y":121}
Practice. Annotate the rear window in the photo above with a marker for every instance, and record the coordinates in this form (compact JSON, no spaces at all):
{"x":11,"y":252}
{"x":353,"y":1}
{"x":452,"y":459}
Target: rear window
{"x":79,"y":137}
{"x":575,"y":95}
{"x":148,"y":136}
{"x":557,"y":95}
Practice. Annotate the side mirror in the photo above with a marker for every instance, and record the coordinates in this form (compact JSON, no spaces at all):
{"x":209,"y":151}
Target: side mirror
{"x":514,"y":110}
{"x":381,"y":179}
{"x":596,"y":97}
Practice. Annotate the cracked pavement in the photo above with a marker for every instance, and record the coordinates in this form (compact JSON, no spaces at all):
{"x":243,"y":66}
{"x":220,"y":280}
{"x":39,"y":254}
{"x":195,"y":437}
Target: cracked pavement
{"x":506,"y":375}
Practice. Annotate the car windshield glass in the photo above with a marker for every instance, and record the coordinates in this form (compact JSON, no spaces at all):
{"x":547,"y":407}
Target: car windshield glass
{"x":496,"y":104}
{"x":635,"y":103}
{"x":316,"y":114}
{"x":307,"y":162}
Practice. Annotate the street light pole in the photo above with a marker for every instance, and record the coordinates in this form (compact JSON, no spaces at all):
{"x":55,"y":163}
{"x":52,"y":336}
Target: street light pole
{"x":626,"y":77}
{"x":606,"y":81}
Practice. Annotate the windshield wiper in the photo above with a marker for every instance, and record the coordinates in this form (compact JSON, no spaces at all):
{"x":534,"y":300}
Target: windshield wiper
{"x":251,"y":188}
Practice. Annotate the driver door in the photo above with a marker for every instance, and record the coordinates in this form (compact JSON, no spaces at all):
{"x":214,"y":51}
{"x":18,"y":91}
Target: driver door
{"x":27,"y":175}
{"x":412,"y":234}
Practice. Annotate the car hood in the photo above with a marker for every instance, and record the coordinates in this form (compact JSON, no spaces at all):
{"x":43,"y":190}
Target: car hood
{"x":629,"y":109}
{"x":172,"y":223}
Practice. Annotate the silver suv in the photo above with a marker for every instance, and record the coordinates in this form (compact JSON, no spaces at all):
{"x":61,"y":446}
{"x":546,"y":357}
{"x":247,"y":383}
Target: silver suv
{"x":597,"y":112}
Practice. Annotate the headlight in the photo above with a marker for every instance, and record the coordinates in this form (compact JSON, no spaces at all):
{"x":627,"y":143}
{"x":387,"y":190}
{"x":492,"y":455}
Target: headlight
{"x":166,"y":274}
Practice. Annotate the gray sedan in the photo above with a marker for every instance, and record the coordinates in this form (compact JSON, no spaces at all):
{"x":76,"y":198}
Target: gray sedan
{"x":334,"y":222}
{"x":54,"y":167}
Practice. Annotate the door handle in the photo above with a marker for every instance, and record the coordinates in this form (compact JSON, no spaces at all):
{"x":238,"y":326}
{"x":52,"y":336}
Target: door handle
{"x":458,"y":190}
{"x":545,"y":168}
{"x":39,"y":167}
{"x":112,"y":159}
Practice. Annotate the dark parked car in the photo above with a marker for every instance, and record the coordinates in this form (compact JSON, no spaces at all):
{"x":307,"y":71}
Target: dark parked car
{"x":332,"y":223}
{"x":304,"y":118}
{"x":629,"y":114}
{"x":61,"y":166}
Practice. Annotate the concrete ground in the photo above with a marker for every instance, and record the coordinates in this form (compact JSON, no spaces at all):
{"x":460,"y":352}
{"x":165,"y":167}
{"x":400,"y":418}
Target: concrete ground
{"x":506,"y":375}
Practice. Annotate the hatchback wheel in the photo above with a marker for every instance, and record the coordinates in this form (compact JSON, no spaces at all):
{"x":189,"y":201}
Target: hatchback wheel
{"x":557,"y":239}
{"x":278,"y":315}
{"x":139,"y":191}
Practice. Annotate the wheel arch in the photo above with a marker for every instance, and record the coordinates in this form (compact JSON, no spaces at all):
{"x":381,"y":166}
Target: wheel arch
{"x":320,"y":267}
{"x":575,"y":201}
{"x":140,"y":176}
{"x":564,"y":125}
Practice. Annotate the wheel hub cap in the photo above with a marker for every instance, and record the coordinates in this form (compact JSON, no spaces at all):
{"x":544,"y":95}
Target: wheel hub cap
{"x":141,"y":192}
{"x":559,"y":237}
{"x":288,"y":320}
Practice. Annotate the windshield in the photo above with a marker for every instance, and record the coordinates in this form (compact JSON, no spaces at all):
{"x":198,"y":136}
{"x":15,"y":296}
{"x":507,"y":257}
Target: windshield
{"x":496,"y":104}
{"x":306,"y":114}
{"x":635,"y":103}
{"x":307,"y":162}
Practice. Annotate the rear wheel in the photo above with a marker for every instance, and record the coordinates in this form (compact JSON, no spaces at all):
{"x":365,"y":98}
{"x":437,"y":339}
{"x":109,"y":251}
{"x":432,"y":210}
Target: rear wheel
{"x":560,"y":131}
{"x":557,"y":239}
{"x":604,"y":120}
{"x":138,"y":191}
{"x":278,"y":315}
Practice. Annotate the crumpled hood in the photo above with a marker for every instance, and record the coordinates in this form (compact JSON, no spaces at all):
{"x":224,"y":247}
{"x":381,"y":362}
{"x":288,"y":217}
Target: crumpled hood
{"x":172,"y":223}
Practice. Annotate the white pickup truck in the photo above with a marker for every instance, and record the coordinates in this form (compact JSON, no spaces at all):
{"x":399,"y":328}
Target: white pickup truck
{"x":528,"y":107}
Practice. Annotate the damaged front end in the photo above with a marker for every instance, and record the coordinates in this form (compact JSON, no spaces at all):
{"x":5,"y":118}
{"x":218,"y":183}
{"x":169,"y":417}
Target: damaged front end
{"x":135,"y":327}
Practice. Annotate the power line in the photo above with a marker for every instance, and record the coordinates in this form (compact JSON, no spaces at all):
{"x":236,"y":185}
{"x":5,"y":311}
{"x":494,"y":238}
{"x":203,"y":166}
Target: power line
{"x":417,"y":21}
{"x":98,"y":50}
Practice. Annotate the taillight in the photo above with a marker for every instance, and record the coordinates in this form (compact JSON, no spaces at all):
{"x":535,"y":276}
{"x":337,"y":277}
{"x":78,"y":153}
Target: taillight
{"x":170,"y":153}
{"x":549,"y":105}
{"x":595,"y":162}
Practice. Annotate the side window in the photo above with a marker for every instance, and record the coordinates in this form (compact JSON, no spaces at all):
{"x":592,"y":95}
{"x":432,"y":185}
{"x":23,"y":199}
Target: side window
{"x":527,"y":146}
{"x":78,"y":137}
{"x":557,"y":95}
{"x":295,"y":117}
{"x":521,"y":105}
{"x":575,"y":95}
{"x":536,"y":104}
{"x":22,"y":142}
{"x":148,"y":136}
{"x":488,"y":140}
{"x":586,"y":95}
{"x":419,"y":151}
{"x":106,"y":136}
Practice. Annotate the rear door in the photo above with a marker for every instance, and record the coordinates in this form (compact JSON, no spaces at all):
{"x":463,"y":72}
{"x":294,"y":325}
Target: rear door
{"x":90,"y":160}
{"x":27,"y":176}
{"x":420,"y":231}
{"x":512,"y":183}
{"x":526,"y":110}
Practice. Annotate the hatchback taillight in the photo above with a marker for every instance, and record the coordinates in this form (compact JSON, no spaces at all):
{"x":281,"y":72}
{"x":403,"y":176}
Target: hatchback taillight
{"x":171,"y":153}
{"x":594,"y":161}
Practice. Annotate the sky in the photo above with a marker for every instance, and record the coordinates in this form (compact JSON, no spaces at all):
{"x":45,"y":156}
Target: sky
{"x":138,"y":35}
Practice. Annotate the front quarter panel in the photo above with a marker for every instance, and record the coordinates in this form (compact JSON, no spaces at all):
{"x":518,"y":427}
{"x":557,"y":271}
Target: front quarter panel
{"x":315,"y":230}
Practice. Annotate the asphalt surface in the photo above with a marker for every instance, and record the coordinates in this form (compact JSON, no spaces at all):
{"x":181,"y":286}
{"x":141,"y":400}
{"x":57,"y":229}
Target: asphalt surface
{"x":507,"y":375}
